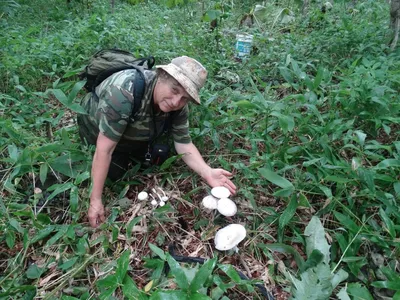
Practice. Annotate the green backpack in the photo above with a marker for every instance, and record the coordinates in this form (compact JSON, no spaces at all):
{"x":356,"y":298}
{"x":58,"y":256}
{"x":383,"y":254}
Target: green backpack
{"x":104,"y":63}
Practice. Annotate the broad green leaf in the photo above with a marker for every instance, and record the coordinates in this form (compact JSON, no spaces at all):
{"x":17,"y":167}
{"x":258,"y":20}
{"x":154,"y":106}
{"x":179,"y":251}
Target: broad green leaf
{"x":358,"y":291}
{"x":367,"y":176}
{"x":122,"y":266}
{"x":391,"y":285}
{"x":315,"y":283}
{"x":106,"y":294}
{"x":75,"y":90}
{"x":318,"y":78}
{"x":68,"y":264}
{"x":13,"y":152}
{"x":346,"y":222}
{"x":285,"y":72}
{"x":160,"y":253}
{"x":342,"y":295}
{"x":42,"y":234}
{"x":289,"y":212}
{"x":282,"y":248}
{"x":202,"y":275}
{"x":246,"y":105}
{"x":60,"y":95}
{"x":387,"y":163}
{"x":313,"y":260}
{"x":231,"y":272}
{"x":177,"y":272}
{"x":396,"y":187}
{"x":396,"y":296}
{"x":169,"y":295}
{"x":44,"y":169}
{"x":109,"y":282}
{"x":285,"y":122}
{"x":303,"y":201}
{"x":62,"y":229}
{"x":338,"y":179}
{"x":316,"y":240}
{"x":198,"y":296}
{"x":131,"y":291}
{"x":130,"y":226}
{"x":82,"y":177}
{"x":34,"y":272}
{"x":276,"y":179}
{"x":60,"y":188}
{"x":16,"y":225}
{"x":387,"y":222}
{"x":361,"y":136}
{"x":339,"y":277}
{"x":10,"y":239}
{"x":74,"y":199}
{"x":29,"y":289}
{"x":166,"y":164}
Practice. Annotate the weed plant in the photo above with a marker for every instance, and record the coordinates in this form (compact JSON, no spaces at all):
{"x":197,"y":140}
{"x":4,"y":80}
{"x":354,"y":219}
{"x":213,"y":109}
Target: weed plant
{"x":309,"y":124}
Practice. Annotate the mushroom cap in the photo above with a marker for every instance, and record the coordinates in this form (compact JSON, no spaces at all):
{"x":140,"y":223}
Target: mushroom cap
{"x":154,"y":202}
{"x":143,"y":196}
{"x":162,"y":203}
{"x":220,"y":192}
{"x":164,"y":198}
{"x":210,"y":202}
{"x":229,"y":237}
{"x":227,"y":207}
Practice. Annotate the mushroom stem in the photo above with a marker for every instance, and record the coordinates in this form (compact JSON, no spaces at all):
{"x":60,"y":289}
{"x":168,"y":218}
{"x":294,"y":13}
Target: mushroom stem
{"x":162,"y":191}
{"x":158,"y":195}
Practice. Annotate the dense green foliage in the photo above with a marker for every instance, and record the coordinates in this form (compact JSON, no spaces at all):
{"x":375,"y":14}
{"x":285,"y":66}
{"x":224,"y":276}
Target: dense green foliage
{"x":309,"y":124}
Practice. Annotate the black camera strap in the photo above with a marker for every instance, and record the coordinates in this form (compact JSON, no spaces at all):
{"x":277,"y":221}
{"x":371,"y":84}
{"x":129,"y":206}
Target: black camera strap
{"x":166,"y":129}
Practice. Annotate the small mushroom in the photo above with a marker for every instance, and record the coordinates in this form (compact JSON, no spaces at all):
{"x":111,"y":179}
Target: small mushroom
{"x":210,"y":202}
{"x":227,"y":207}
{"x":162,"y":203}
{"x":142,"y":196}
{"x":220,"y":192}
{"x":154,"y":202}
{"x":229,"y":237}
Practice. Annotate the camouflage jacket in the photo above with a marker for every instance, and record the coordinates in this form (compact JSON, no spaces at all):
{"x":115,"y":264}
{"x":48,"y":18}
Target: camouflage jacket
{"x":111,"y":114}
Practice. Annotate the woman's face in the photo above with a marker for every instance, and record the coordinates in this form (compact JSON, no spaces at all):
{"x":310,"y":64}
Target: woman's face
{"x":169,"y":95}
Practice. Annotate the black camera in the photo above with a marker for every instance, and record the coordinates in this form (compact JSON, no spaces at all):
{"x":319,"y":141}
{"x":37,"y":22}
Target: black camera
{"x":158,"y":154}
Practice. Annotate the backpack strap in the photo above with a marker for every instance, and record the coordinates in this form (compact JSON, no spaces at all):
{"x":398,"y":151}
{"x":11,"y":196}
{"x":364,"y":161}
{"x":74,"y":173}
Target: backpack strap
{"x":138,"y":92}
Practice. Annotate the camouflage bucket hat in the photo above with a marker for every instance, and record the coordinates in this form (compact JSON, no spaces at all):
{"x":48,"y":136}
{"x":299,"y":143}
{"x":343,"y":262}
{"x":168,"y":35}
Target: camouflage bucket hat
{"x":189,"y":73}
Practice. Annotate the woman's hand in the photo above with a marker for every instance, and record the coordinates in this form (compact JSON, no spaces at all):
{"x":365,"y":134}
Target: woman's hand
{"x":220,"y":177}
{"x":96,"y":213}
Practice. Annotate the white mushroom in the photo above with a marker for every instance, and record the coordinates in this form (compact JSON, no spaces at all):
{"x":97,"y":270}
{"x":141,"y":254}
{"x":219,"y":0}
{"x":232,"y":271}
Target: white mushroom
{"x":229,"y":237}
{"x":220,"y":192}
{"x":227,"y":207}
{"x":210,"y":202}
{"x":143,"y":196}
{"x":162,"y":203}
{"x":154,"y":202}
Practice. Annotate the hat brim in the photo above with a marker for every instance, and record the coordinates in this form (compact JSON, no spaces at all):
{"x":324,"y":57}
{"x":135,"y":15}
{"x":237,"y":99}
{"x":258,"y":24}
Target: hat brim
{"x":183,"y":80}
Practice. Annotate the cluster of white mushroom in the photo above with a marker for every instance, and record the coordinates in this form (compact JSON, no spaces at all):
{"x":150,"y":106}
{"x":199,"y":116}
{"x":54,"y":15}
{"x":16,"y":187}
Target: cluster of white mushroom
{"x":156,"y":199}
{"x":230,"y":236}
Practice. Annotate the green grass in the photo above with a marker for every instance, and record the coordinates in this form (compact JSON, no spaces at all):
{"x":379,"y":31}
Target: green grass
{"x":308,"y":124}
